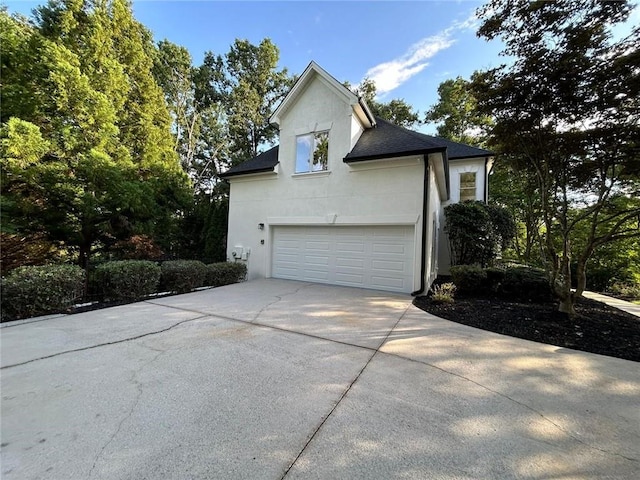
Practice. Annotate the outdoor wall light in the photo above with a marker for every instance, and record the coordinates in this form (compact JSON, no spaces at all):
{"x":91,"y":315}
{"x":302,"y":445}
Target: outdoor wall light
{"x":261,"y":226}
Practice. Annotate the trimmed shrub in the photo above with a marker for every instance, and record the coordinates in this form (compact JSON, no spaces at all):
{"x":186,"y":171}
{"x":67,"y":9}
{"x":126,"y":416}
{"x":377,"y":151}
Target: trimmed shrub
{"x":629,"y":291}
{"x":495,"y":277}
{"x":525,"y":283}
{"x":225,"y":273}
{"x":126,"y":279}
{"x":469,"y":279}
{"x":443,"y":293}
{"x":31,"y":291}
{"x":182,"y":276}
{"x":477,"y":232}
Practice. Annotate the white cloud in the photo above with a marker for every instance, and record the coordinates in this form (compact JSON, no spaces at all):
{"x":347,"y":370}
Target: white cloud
{"x":390,"y":75}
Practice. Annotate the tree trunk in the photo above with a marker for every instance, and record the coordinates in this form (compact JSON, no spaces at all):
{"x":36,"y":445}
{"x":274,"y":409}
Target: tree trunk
{"x":83,"y":257}
{"x":567,"y":306}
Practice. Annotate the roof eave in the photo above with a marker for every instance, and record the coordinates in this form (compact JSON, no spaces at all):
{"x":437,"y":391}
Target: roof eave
{"x":391,"y":155}
{"x":466,"y":157}
{"x":248,"y":172}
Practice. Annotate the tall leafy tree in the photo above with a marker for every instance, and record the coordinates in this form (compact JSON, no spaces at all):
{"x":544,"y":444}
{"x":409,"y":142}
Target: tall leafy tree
{"x":567,"y":111}
{"x":396,"y":111}
{"x":457,"y":114}
{"x":198,"y":118}
{"x":247,"y":82}
{"x":460,"y":120}
{"x":89,"y":156}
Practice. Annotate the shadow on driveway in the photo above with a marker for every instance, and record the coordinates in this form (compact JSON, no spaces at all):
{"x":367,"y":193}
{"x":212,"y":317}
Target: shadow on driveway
{"x":279,"y":379}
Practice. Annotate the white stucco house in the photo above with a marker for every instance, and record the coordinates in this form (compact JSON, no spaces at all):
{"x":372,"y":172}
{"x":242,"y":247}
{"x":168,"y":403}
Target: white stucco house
{"x":347,"y":198}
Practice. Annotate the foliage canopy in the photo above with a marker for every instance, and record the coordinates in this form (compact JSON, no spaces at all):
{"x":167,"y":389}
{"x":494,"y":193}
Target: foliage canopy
{"x":87,"y":154}
{"x":567,"y":113}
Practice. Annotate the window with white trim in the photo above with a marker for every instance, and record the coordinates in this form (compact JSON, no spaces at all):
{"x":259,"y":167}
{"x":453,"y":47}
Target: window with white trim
{"x":312,"y":152}
{"x":467,"y":186}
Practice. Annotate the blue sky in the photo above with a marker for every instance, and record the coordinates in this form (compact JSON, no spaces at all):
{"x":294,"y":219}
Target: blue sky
{"x":407,"y":47}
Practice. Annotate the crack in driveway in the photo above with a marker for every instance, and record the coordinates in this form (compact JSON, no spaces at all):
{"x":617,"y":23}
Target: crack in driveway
{"x":344,"y":394}
{"x":374,"y":351}
{"x":114,"y":342}
{"x":278,"y":299}
{"x":127,"y":416}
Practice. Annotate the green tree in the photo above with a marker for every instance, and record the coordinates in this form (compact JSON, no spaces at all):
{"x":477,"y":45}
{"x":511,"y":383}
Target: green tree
{"x":198,"y":122}
{"x":569,"y":108}
{"x":457,"y":113}
{"x":460,"y":121}
{"x":396,"y":111}
{"x":517,"y":190}
{"x":88,"y":156}
{"x":248,"y":83}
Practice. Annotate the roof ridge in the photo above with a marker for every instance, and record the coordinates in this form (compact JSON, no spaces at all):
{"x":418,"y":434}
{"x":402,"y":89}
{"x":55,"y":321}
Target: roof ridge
{"x":413,"y":133}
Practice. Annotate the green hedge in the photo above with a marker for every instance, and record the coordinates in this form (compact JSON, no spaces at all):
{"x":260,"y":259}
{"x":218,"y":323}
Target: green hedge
{"x":225,"y":273}
{"x":517,"y":282}
{"x":126,"y":279}
{"x":469,"y":279}
{"x":526,"y":283}
{"x":182,"y":276}
{"x":40,"y":290}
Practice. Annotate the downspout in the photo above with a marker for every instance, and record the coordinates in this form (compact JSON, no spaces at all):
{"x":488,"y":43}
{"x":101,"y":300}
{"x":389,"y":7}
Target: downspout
{"x":423,"y":253}
{"x":487,"y":172}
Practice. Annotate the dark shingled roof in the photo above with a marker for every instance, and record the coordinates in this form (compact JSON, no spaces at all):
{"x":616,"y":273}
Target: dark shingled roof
{"x":265,"y":162}
{"x":384,"y":141}
{"x":389,"y":140}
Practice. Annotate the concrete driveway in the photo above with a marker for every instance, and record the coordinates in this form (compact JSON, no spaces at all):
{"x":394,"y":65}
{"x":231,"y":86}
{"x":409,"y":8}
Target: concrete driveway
{"x":275,"y":379}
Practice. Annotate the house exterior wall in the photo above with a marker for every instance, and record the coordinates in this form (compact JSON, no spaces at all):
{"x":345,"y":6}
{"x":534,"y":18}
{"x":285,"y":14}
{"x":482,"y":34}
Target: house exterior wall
{"x":387,"y":192}
{"x":456,"y":167}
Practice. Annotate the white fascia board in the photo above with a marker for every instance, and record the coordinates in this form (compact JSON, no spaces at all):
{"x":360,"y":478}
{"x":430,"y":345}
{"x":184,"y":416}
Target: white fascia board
{"x":437,"y":162}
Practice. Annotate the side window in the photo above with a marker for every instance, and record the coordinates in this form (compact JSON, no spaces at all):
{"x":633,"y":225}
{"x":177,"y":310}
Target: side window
{"x":467,"y":186}
{"x":312,"y":152}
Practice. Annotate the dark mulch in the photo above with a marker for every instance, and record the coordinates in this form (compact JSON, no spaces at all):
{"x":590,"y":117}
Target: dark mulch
{"x":598,"y":328}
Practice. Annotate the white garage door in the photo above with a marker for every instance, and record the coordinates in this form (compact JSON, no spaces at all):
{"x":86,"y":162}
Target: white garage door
{"x":379,"y":257}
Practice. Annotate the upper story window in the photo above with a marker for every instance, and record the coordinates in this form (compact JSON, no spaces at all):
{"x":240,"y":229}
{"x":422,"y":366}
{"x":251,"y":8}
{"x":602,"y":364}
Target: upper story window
{"x":312,"y":152}
{"x":467,"y":186}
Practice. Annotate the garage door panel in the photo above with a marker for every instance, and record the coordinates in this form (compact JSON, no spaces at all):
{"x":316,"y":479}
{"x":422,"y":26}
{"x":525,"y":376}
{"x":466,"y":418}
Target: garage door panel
{"x":350,"y":246}
{"x":288,"y":273}
{"x":386,"y":248}
{"x":316,"y":245}
{"x":379,"y":257}
{"x":349,"y":262}
{"x":388,"y":266}
{"x":316,"y":275}
{"x":349,"y":279}
{"x":386,"y":282}
{"x":314,"y":260}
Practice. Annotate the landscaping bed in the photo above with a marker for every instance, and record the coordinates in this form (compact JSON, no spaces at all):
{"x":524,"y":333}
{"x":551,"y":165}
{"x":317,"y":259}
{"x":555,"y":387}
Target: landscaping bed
{"x":597,"y":328}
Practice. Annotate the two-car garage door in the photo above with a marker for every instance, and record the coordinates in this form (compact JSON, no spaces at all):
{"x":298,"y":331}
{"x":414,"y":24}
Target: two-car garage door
{"x":377,"y":257}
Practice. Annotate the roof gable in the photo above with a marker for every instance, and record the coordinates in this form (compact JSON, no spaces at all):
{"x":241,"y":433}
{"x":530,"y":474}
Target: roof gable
{"x":312,"y":71}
